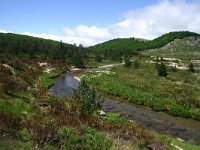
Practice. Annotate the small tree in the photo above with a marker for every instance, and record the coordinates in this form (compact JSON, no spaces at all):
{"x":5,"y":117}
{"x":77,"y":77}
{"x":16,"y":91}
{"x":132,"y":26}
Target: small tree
{"x":157,"y":59}
{"x":161,"y":59}
{"x":191,"y":67}
{"x":136,"y":64}
{"x":162,"y":70}
{"x":87,"y":99}
{"x":127,"y":62}
{"x":98,"y":58}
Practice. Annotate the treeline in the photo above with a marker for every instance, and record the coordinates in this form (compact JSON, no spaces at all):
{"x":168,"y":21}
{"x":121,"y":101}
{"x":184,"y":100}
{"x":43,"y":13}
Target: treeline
{"x":32,"y":47}
{"x":116,"y":48}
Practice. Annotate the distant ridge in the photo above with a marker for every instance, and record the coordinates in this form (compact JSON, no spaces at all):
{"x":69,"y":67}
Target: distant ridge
{"x":134,"y":44}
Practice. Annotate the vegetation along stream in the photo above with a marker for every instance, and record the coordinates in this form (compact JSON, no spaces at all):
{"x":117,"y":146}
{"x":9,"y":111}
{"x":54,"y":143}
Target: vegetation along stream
{"x":183,"y":128}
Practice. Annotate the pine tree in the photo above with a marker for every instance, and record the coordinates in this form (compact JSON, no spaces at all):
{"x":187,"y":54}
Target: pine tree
{"x":136,"y":64}
{"x":162,"y":70}
{"x":191,"y":67}
{"x":87,"y":99}
{"x":127,"y":62}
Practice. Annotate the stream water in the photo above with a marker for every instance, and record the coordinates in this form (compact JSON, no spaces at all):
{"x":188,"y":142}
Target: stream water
{"x":183,"y":128}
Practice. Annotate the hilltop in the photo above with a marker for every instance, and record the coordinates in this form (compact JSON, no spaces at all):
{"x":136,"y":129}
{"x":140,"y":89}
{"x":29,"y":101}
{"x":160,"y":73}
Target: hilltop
{"x":116,"y":48}
{"x":138,"y":44}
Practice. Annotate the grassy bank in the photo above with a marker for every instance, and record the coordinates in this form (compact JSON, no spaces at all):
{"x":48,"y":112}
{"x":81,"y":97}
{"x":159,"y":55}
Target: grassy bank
{"x":31,"y":118}
{"x":91,"y":63}
{"x":47,"y":79}
{"x":178,"y":94}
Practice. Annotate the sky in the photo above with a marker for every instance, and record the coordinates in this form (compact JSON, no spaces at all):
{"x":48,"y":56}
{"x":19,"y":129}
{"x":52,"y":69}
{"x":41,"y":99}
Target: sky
{"x":90,"y":22}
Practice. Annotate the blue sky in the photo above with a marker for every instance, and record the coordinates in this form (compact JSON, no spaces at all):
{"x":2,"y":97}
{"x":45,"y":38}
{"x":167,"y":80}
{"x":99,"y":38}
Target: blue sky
{"x":93,"y":21}
{"x":50,"y":15}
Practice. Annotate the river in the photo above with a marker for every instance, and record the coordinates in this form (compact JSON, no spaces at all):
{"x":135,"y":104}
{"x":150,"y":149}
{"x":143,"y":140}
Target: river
{"x":184,"y":128}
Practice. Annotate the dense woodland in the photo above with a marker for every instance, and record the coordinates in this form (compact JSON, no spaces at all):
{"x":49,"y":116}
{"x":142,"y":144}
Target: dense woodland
{"x":115,"y":49}
{"x":26,"y":46}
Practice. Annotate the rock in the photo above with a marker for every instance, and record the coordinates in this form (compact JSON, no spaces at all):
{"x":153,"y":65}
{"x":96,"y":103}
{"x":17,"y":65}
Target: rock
{"x":177,"y":147}
{"x":102,"y":113}
{"x":181,"y":140}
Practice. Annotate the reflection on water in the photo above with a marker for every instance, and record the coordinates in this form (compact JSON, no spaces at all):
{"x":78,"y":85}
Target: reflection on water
{"x":64,"y":85}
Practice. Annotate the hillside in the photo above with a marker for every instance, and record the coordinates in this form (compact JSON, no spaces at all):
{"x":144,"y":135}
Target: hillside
{"x":187,"y":48}
{"x":32,"y":47}
{"x":136,"y":44}
{"x":119,"y":47}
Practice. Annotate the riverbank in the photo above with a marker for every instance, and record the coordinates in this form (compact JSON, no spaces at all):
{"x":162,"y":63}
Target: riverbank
{"x":143,"y":86}
{"x":160,"y":122}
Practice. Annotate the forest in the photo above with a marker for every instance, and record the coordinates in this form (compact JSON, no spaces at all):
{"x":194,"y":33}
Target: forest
{"x":32,"y":47}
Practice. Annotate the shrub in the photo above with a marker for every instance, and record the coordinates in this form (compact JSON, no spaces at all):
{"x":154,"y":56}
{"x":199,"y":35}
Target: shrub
{"x":25,"y":135}
{"x":68,"y":138}
{"x":162,"y":70}
{"x":87,"y":99}
{"x":136,"y":64}
{"x":177,"y":110}
{"x":98,"y":58}
{"x":191,"y":68}
{"x":94,"y":140}
{"x":127,"y":62}
{"x":196,"y":114}
{"x":56,"y":103}
{"x":15,"y":85}
{"x":89,"y":139}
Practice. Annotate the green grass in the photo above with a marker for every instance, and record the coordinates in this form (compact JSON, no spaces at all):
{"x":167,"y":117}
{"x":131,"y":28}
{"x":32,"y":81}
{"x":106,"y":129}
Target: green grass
{"x":47,"y":78}
{"x":16,"y":106}
{"x":178,"y":94}
{"x":185,"y":145}
{"x":18,"y":145}
{"x":172,"y":142}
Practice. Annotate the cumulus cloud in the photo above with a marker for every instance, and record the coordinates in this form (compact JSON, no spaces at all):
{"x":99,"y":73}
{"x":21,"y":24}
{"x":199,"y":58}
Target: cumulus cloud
{"x":155,"y":20}
{"x":92,"y":34}
{"x":148,"y":22}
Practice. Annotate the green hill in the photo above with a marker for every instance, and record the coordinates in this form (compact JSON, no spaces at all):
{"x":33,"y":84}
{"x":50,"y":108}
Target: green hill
{"x":32,"y":47}
{"x":135,"y":44}
{"x":128,"y":46}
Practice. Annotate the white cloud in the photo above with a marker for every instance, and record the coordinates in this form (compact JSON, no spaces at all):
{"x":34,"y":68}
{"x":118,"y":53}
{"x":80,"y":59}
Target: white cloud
{"x":91,"y":34}
{"x":67,"y":39}
{"x":148,"y":22}
{"x":153,"y":21}
{"x":5,"y":31}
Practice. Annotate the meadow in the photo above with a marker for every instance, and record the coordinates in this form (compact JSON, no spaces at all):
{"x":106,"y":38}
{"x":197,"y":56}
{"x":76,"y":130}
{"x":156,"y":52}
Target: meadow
{"x":176,"y":94}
